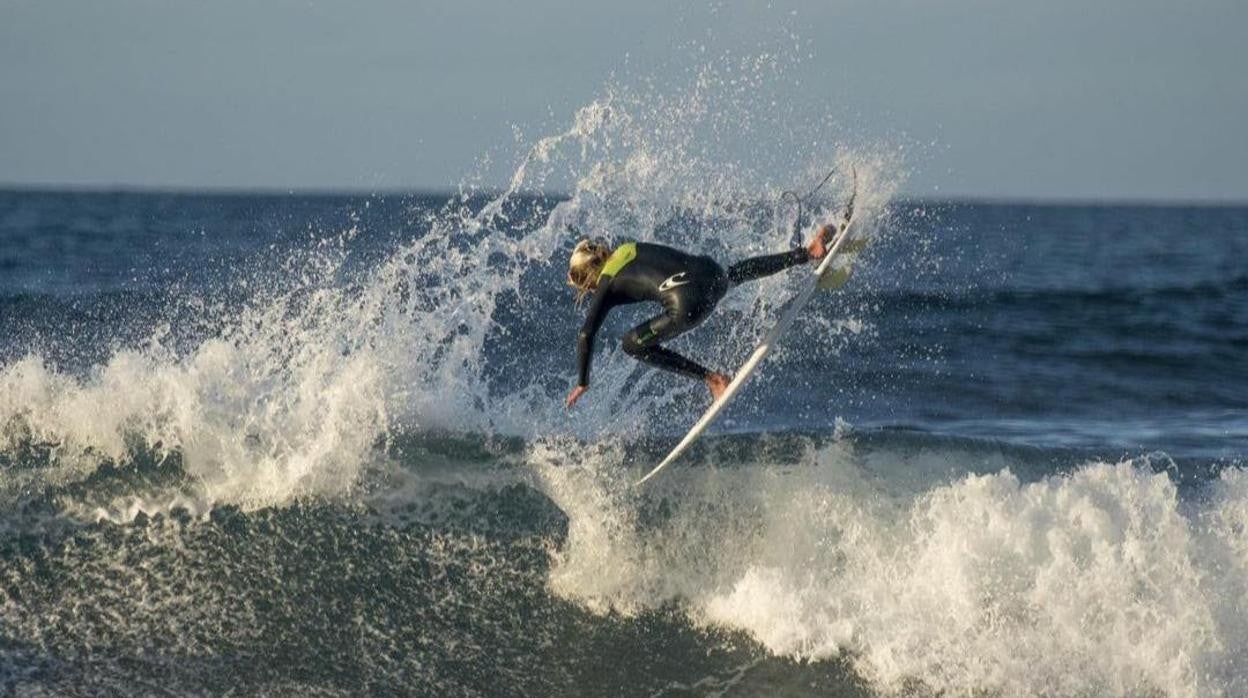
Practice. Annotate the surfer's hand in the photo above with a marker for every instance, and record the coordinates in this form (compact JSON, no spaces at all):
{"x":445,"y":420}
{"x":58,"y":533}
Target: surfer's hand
{"x":576,"y":394}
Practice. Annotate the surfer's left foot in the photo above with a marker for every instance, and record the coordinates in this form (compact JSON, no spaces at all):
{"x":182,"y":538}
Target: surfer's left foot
{"x":818,"y":247}
{"x":718,"y":383}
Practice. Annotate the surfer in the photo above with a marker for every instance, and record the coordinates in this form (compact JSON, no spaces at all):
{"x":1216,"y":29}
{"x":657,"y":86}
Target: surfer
{"x":687,"y":286}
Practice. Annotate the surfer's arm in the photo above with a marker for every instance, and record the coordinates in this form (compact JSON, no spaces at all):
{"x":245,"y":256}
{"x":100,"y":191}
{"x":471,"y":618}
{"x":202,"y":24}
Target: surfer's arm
{"x":598,"y":308}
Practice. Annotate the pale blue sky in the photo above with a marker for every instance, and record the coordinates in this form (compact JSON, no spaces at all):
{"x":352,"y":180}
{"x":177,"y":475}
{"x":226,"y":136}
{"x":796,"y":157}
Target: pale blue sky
{"x":1094,"y":99}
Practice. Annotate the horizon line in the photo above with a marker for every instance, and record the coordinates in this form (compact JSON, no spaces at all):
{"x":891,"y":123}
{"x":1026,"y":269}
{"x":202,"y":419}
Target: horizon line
{"x":354,"y":192}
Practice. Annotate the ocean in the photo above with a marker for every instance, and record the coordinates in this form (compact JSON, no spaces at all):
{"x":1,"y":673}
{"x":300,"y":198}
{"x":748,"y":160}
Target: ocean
{"x":297,"y":444}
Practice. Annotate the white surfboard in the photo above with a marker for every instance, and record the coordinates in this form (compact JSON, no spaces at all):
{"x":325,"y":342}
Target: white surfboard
{"x":765,"y":346}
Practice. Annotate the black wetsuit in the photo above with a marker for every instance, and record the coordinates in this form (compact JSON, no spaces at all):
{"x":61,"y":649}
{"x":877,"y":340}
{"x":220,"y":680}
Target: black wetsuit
{"x":687,"y":286}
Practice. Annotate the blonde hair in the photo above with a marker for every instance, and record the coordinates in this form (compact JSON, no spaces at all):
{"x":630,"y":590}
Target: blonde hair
{"x":585,"y":265}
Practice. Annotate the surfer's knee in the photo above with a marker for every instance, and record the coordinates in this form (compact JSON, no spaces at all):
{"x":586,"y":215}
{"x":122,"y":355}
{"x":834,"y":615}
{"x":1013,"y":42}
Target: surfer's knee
{"x":632,"y":345}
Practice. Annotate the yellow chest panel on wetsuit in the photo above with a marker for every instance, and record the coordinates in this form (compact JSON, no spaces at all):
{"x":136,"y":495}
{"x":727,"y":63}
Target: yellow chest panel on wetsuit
{"x":619,"y":259}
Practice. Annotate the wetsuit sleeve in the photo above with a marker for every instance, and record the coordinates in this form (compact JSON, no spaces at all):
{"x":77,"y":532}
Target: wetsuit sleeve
{"x":598,"y":308}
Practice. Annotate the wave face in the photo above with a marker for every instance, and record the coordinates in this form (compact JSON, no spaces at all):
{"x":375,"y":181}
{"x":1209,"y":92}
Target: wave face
{"x":870,"y":563}
{"x":316,"y":444}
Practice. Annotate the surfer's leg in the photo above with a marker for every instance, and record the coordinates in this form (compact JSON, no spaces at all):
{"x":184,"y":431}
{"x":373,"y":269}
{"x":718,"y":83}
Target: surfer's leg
{"x":684,"y":308}
{"x":642,"y":343}
{"x":766,"y":265}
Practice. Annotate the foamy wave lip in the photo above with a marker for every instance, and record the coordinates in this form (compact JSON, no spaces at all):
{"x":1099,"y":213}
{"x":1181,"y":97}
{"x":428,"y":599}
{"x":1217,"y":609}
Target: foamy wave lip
{"x":245,"y":434}
{"x":1101,"y":581}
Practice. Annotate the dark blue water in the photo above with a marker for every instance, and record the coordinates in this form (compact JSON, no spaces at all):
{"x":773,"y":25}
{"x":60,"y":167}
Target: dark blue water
{"x":1052,"y":325}
{"x":238,"y":457}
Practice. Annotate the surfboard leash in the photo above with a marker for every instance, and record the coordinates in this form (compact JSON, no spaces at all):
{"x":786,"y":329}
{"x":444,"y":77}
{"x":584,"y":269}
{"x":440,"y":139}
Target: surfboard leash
{"x":799,"y":200}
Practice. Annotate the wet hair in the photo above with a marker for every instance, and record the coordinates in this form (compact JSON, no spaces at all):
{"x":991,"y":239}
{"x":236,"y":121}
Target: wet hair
{"x":585,"y":265}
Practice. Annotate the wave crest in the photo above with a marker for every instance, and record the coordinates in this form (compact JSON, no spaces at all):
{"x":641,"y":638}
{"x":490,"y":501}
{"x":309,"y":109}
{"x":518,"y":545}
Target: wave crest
{"x":1100,"y":581}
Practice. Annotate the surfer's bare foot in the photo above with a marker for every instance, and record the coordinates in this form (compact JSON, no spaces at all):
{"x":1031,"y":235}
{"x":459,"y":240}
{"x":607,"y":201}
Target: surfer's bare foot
{"x":718,"y":383}
{"x":818,"y":246}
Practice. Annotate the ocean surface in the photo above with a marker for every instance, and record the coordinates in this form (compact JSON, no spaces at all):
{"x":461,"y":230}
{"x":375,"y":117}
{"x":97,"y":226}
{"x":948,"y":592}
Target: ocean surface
{"x":315,"y":445}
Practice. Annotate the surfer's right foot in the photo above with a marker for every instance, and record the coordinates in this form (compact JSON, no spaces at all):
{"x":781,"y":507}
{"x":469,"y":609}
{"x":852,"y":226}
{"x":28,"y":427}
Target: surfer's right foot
{"x":818,"y":247}
{"x":718,"y":383}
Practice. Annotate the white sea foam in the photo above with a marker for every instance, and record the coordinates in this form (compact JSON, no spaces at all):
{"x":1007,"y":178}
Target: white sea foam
{"x":1097,"y":582}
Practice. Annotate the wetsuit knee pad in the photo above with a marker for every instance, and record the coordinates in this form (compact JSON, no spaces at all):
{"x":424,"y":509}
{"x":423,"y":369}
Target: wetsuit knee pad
{"x":632,"y":344}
